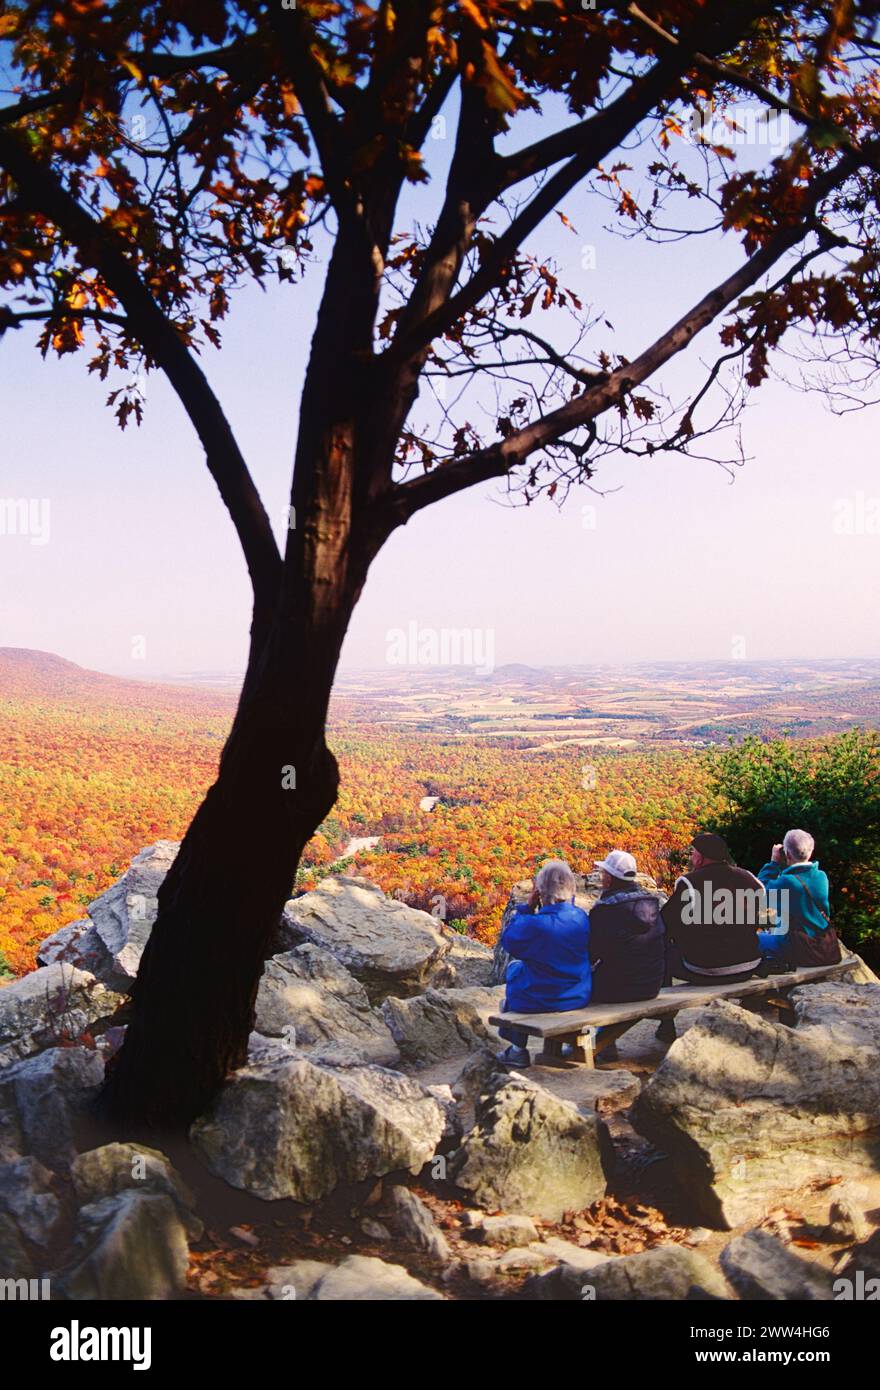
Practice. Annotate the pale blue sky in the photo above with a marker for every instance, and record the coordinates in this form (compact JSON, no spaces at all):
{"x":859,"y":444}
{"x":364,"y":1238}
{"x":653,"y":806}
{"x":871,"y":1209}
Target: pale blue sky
{"x":682,"y":563}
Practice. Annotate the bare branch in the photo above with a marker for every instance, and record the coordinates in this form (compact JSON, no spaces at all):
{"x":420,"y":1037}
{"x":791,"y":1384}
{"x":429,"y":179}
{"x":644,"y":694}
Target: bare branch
{"x":501,"y":457}
{"x":40,"y":189}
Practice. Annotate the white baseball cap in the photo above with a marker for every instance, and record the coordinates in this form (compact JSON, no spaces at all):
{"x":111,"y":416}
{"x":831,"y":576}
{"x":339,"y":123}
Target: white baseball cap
{"x":618,"y":864}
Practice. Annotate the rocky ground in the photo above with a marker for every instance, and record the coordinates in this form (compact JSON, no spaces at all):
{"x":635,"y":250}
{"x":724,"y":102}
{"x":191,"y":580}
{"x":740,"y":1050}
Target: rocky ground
{"x":373,"y":1149}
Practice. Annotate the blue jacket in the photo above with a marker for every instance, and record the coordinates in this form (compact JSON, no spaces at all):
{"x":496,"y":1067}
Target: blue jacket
{"x":551,"y":969}
{"x":797,"y":907}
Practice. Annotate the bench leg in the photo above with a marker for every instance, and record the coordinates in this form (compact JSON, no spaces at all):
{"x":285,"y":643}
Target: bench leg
{"x":781,"y":1002}
{"x":581,"y":1052}
{"x":611,"y":1032}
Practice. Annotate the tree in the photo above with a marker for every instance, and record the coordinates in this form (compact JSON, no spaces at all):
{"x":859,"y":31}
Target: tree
{"x":289,"y":133}
{"x":831,"y":790}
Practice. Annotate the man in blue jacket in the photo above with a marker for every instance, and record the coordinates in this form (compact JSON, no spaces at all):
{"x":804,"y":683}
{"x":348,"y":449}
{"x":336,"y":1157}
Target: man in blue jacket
{"x":797,"y":891}
{"x":549,"y":939}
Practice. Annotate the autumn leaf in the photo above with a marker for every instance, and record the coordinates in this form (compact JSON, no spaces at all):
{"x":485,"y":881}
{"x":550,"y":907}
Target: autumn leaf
{"x":501,"y":91}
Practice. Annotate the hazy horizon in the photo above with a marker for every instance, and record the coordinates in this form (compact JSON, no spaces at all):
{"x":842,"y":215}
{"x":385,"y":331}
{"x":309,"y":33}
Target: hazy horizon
{"x":227,"y":675}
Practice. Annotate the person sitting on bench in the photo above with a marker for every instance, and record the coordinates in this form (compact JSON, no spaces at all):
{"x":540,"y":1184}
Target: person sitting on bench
{"x":549,"y":939}
{"x":712,"y":921}
{"x":627,"y":935}
{"x":797,"y":890}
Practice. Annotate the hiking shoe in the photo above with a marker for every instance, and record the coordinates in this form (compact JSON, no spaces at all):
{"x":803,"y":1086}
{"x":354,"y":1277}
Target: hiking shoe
{"x":666,"y":1030}
{"x":515,"y":1057}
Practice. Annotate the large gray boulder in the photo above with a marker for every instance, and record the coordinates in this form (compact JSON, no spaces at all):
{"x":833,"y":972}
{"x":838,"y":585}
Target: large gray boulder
{"x":861,"y":974}
{"x":530,"y":1152}
{"x":76,"y":944}
{"x":362,"y":1277}
{"x":667,"y":1272}
{"x":287,"y":1127}
{"x":358,"y":1278}
{"x":121,"y":920}
{"x":309,"y":991}
{"x":468,"y":964}
{"x":28,"y":1200}
{"x":850,"y":1011}
{"x":128,"y":1246}
{"x":42,"y":1100}
{"x":49,"y":1006}
{"x":440,"y":1023}
{"x":15,"y":1262}
{"x":861,"y":1272}
{"x":760,"y":1267}
{"x":389,"y":947}
{"x":413,"y":1221}
{"x":749,"y":1110}
{"x":120,"y":1167}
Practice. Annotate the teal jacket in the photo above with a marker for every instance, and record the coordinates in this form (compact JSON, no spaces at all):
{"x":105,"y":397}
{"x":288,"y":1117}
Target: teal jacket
{"x":801,"y":909}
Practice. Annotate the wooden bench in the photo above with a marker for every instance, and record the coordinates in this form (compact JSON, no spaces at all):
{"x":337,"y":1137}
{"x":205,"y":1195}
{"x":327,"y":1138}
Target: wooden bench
{"x":576,"y":1027}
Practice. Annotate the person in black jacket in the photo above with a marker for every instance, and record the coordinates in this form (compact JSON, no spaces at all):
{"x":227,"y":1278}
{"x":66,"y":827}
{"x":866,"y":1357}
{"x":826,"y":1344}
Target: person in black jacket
{"x":712,"y":921}
{"x":627,"y":936}
{"x":713,"y":917}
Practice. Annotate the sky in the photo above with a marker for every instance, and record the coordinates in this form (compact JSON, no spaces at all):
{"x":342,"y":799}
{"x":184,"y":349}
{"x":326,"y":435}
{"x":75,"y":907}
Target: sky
{"x":132,"y":567}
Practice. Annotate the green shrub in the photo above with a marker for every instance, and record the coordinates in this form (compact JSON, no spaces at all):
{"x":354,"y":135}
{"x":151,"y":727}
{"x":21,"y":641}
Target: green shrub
{"x":830,"y":789}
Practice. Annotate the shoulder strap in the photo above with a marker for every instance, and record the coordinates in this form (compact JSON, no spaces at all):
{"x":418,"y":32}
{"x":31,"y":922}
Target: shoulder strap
{"x":819,"y":909}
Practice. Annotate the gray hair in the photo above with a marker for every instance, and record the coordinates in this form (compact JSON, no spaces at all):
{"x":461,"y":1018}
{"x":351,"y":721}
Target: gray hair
{"x":555,"y":881}
{"x":798,"y":845}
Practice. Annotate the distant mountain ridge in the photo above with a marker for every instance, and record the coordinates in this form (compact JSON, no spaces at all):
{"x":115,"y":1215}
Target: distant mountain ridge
{"x":27,"y":673}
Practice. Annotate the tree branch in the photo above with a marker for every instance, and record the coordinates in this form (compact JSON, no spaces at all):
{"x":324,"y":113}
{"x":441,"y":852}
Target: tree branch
{"x":41,"y":191}
{"x":295,"y":39}
{"x":588,"y":143}
{"x":501,"y":457}
{"x":723,"y":73}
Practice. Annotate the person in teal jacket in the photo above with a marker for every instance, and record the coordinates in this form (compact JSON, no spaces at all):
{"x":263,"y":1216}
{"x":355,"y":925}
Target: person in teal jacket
{"x":797,"y":892}
{"x":549,"y":939}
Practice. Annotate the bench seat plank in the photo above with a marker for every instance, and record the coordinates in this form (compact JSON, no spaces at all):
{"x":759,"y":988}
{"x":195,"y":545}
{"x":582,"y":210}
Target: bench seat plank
{"x":668,"y":1002}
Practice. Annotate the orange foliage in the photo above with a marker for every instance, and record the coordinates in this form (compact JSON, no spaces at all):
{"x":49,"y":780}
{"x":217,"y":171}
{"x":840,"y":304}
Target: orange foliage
{"x":91,"y":774}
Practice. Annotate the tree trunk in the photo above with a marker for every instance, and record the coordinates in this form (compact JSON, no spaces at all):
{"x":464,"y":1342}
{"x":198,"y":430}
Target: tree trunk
{"x":193,"y":1001}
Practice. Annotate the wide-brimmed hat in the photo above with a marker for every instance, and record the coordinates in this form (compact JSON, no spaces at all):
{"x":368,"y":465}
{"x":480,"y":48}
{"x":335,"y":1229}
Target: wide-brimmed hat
{"x":618,"y":864}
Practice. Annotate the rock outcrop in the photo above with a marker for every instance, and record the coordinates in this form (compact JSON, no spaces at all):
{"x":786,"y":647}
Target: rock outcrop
{"x":359,"y":1278}
{"x":41,"y":1101}
{"x":530,"y":1152}
{"x":440,"y":1023}
{"x":745,"y":1109}
{"x":286,"y":1127}
{"x":309,"y":991}
{"x":55,"y":1004}
{"x":412,"y":1220}
{"x":468,"y":964}
{"x":750,"y":1109}
{"x":129,"y":1246}
{"x":28,"y":1200}
{"x":389,"y":947}
{"x":114,"y":1168}
{"x":667,"y":1272}
{"x":120,"y":922}
{"x":761,"y":1268}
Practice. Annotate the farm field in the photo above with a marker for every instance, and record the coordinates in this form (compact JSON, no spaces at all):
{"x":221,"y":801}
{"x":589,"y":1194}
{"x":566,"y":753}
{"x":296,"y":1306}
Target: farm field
{"x":458,"y":784}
